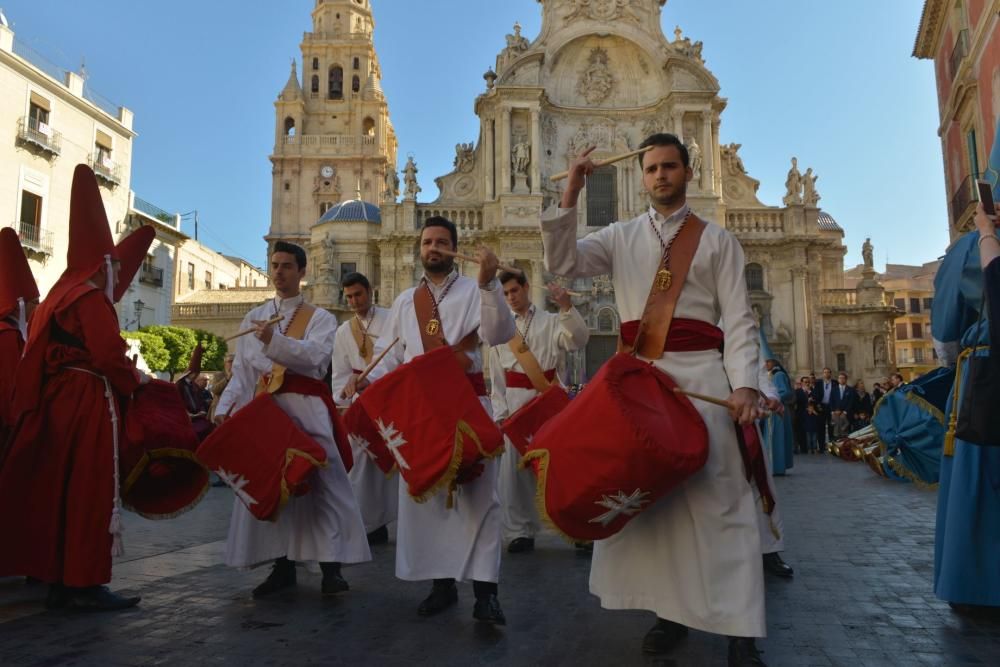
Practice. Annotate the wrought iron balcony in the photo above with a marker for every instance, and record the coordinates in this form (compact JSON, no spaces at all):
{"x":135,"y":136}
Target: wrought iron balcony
{"x":958,"y":52}
{"x":151,"y":275}
{"x":965,"y":196}
{"x":39,"y":135}
{"x":105,"y":169}
{"x":33,"y":237}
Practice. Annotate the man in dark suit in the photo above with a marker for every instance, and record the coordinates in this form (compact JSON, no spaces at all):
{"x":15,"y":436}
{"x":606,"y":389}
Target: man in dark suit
{"x":822,"y":393}
{"x":842,"y":400}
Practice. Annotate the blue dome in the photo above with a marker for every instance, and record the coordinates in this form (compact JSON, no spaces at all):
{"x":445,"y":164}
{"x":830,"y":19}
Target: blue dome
{"x":354,"y":210}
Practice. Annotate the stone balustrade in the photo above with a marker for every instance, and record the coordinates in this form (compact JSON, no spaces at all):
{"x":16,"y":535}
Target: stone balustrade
{"x":467,"y":219}
{"x":329,"y":144}
{"x":755,"y":221}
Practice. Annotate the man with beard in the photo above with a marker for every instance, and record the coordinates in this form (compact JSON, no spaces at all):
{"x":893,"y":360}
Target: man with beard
{"x":693,"y":557}
{"x":353,"y":349}
{"x":434,"y":541}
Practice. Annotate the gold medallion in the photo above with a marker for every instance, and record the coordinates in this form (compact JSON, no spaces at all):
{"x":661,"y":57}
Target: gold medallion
{"x":363,"y":350}
{"x":523,"y":348}
{"x":663,"y":279}
{"x":432,"y":327}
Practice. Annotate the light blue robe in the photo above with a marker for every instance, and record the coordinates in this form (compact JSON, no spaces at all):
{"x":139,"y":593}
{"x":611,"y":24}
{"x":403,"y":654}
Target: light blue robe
{"x":778,"y":432}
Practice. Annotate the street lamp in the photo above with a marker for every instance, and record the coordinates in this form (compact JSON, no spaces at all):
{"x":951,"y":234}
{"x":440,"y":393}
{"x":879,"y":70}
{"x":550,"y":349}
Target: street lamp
{"x":139,"y":305}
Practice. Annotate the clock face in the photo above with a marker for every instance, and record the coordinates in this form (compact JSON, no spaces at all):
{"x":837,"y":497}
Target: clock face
{"x":326,"y":171}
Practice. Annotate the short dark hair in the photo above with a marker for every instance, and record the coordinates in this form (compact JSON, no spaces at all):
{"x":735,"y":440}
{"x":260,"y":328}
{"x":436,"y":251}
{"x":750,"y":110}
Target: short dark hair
{"x":665,"y":139}
{"x":355,"y":278}
{"x":292,"y":249}
{"x":897,"y":375}
{"x":510,"y":275}
{"x":439,"y":221}
{"x":827,"y":368}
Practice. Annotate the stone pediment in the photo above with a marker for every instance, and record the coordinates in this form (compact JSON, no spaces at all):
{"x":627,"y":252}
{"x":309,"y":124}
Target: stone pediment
{"x":685,"y":75}
{"x":461,"y":185}
{"x":603,"y":71}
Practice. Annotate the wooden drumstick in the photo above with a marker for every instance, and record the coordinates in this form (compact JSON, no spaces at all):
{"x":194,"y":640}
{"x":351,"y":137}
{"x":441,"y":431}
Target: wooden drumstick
{"x":601,"y":163}
{"x":273,"y":320}
{"x":470,"y":258}
{"x":371,"y":366}
{"x":712,"y":399}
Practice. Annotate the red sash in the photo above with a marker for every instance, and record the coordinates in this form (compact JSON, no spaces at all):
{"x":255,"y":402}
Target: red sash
{"x":307,"y":386}
{"x":686,"y":335}
{"x":517,"y":380}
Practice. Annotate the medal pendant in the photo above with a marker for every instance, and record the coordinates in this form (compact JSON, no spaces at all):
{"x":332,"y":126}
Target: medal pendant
{"x":663,"y":279}
{"x":523,"y":348}
{"x":432,"y":327}
{"x":363,"y":350}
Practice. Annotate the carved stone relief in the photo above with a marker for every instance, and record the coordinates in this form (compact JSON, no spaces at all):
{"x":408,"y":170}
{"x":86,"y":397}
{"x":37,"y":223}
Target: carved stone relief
{"x":596,"y":81}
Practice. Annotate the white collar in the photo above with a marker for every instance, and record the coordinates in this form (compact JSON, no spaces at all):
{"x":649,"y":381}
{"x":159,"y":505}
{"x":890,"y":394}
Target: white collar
{"x":448,"y":279}
{"x":530,"y":313}
{"x":284,"y":304}
{"x":676,"y":216}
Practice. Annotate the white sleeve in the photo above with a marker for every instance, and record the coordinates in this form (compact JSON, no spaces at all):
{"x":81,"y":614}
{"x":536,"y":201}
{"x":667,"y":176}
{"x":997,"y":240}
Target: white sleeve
{"x":564,"y":255}
{"x":765,"y":384}
{"x":573,"y":333}
{"x":496,"y":321}
{"x":498,"y":385}
{"x":311,"y":355}
{"x":742,"y":352}
{"x":342,"y":370}
{"x":240,"y":389}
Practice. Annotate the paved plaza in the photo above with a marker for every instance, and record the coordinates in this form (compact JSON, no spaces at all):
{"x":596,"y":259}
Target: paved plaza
{"x":862,"y":548}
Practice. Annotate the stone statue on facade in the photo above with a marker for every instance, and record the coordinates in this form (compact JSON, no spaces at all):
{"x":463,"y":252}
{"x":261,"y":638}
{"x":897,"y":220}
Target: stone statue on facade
{"x":793,"y":185}
{"x":520,"y":156}
{"x":464,"y":157}
{"x":868,"y":253}
{"x":516,"y":43}
{"x":410,"y":179}
{"x":731,"y":158}
{"x":880,"y":352}
{"x":695,"y":159}
{"x":391,"y":184}
{"x":596,"y":81}
{"x":809,"y":194}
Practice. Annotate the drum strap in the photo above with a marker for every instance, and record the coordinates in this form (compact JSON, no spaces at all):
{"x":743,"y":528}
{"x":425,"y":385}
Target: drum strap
{"x":423,"y":308}
{"x":660,"y":304}
{"x":296,"y":330}
{"x":528,"y":362}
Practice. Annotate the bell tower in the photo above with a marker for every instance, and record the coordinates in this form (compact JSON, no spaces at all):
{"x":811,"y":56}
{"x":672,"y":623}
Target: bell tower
{"x":332,"y":127}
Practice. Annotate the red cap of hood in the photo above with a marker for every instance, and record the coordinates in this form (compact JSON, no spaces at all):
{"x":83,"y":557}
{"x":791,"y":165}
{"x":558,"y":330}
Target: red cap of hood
{"x":16,"y":281}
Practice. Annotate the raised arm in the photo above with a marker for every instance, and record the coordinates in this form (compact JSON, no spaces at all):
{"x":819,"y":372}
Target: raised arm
{"x":240,"y":389}
{"x":342,"y":369}
{"x":572,"y":333}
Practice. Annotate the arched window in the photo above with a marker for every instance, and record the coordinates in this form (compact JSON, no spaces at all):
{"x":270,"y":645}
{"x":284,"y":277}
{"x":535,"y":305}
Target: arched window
{"x":315,"y":63}
{"x":606,"y":321}
{"x":315,"y":83}
{"x":355,"y":84}
{"x":368,"y":127}
{"x":602,"y":197}
{"x":336,"y":83}
{"x":289,"y":127}
{"x":357,"y":63}
{"x":754,"y":275}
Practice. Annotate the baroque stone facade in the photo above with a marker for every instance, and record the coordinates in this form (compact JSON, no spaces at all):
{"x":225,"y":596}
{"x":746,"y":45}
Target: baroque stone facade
{"x":602,"y":73}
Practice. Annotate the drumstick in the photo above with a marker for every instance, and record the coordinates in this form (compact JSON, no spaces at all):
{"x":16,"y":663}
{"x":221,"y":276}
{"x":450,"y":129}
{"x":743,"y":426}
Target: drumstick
{"x":470,"y":258}
{"x":713,"y":399}
{"x":371,"y":366}
{"x":273,"y":320}
{"x":601,"y":163}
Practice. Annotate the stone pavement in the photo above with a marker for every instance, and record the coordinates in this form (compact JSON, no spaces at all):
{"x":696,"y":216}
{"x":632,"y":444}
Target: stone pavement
{"x":862,"y":548}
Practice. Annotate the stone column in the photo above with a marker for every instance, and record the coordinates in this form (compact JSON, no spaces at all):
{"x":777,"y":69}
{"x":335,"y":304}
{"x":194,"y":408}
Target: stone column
{"x":678,"y":122}
{"x":707,"y":153}
{"x":537,"y":280}
{"x":489,"y":163}
{"x":800,"y":313}
{"x":716,"y":156}
{"x":536,"y":152}
{"x":504,"y":149}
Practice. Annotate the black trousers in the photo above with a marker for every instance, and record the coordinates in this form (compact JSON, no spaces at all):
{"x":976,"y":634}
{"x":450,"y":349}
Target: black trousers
{"x":481,"y":589}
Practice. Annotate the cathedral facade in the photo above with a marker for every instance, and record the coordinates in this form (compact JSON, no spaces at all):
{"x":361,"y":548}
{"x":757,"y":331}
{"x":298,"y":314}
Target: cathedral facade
{"x":600,"y":73}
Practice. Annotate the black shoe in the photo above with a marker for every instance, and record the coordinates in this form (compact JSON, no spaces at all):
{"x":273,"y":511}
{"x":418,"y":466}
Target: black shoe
{"x":442,"y":596}
{"x":379,"y":536}
{"x":584,"y":547}
{"x":58,"y":596}
{"x":487,"y":610}
{"x":99,"y":598}
{"x":743,"y":653}
{"x":521,"y":545}
{"x":333,"y":581}
{"x":663,"y":636}
{"x":774,"y":565}
{"x":282,"y":576}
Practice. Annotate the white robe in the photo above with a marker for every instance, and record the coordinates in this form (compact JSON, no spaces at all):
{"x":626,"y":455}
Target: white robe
{"x":376,"y":493}
{"x":768,"y":525}
{"x":323,"y":526}
{"x":550,"y":336}
{"x":432,"y":541}
{"x":694,"y":556}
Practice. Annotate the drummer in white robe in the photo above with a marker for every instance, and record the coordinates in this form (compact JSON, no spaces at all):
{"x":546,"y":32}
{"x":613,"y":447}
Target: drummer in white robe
{"x":376,"y":493}
{"x":549,"y":336}
{"x":694,"y":556}
{"x":323,"y":526}
{"x":433,"y":541}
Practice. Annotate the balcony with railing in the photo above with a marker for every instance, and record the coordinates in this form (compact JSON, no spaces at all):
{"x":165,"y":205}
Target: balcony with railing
{"x":39,"y":135}
{"x":765,"y":221}
{"x":153,"y":211}
{"x":958,"y":52}
{"x":33,"y":237}
{"x":150,"y":275}
{"x":467,"y":219}
{"x":329,"y":144}
{"x":963,"y":199}
{"x":106,"y":169}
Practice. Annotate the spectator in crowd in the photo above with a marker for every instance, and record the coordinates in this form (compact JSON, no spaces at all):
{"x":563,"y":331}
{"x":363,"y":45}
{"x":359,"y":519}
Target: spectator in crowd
{"x":862,"y":406}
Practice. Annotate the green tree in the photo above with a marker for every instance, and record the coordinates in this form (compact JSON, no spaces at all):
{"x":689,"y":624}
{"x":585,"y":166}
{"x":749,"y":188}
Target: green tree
{"x":152,"y":348}
{"x":179,"y":343}
{"x":215,"y":350}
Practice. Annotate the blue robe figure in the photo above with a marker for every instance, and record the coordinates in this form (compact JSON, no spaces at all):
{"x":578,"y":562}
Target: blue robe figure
{"x":779,"y":436}
{"x":967,"y":536}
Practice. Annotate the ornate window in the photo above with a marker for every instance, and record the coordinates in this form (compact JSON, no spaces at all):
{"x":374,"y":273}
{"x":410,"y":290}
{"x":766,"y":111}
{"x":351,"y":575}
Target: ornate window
{"x":315,"y":63}
{"x":355,"y":83}
{"x":602,"y":197}
{"x":336,"y":83}
{"x":606,"y":321}
{"x":357,"y":63}
{"x":754,"y":275}
{"x":368,"y":127}
{"x":315,"y":84}
{"x":289,"y":127}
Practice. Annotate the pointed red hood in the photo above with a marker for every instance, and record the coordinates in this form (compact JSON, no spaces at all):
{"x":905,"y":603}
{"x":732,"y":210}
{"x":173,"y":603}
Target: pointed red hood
{"x":131,"y":252}
{"x":16,"y":281}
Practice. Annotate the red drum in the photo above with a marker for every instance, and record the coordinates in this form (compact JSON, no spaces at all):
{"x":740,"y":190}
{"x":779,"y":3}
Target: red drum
{"x":430,"y":421}
{"x":263,"y":456}
{"x":521,"y":426}
{"x":623,"y":443}
{"x":160,"y":475}
{"x":365,"y":439}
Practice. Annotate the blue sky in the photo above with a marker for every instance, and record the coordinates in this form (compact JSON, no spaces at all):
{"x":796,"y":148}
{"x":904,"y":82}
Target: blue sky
{"x":830,"y":82}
